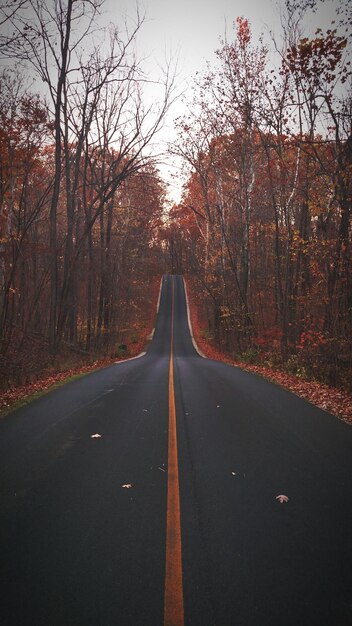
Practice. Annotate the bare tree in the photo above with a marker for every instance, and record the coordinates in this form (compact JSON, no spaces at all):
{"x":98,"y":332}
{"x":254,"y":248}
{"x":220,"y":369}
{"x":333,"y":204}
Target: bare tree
{"x":98,"y":114}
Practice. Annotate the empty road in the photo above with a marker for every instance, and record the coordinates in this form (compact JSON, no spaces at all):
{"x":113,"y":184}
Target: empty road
{"x":145,"y":494}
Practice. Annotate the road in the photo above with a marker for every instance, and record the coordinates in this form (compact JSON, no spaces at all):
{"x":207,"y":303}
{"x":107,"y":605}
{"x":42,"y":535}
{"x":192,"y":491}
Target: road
{"x":191,"y":456}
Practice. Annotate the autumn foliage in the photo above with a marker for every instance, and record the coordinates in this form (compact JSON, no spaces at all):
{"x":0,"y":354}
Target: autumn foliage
{"x":101,"y":278}
{"x":264,"y":226}
{"x":81,"y":199}
{"x":263,"y":230}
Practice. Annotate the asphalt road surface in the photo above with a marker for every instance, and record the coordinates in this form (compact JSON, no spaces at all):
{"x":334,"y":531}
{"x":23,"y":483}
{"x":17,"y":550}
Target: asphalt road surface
{"x":93,"y":528}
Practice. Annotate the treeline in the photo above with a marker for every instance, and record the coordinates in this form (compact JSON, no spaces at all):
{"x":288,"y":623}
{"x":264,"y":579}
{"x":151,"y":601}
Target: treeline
{"x":80,"y":196}
{"x":264,"y":226}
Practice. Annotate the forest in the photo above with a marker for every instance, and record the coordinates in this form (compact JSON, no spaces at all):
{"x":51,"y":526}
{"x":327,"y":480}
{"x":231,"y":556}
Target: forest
{"x":263,"y":229}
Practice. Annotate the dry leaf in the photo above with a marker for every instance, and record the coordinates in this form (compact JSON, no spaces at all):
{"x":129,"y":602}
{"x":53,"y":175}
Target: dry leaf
{"x":282,"y":498}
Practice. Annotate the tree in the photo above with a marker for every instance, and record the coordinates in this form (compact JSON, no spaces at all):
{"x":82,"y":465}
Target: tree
{"x":269,"y":199}
{"x":24,"y":131}
{"x":100,"y":124}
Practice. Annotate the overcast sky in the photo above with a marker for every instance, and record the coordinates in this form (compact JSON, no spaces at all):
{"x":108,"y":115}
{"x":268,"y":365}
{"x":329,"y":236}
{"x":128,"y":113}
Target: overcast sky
{"x":190,"y":30}
{"x":193,"y":27}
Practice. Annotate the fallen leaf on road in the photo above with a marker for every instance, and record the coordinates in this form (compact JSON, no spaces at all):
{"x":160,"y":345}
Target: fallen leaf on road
{"x":127,"y":486}
{"x":282,"y":498}
{"x":96,"y":436}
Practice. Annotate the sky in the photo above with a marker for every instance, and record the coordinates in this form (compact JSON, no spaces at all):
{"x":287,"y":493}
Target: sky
{"x":190,"y":31}
{"x":187,"y":32}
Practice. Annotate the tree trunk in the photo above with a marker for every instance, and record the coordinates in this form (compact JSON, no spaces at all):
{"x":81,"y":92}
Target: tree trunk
{"x":53,"y":337}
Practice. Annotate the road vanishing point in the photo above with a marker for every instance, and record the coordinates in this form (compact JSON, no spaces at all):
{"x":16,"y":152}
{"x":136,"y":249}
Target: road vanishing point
{"x":146,"y":494}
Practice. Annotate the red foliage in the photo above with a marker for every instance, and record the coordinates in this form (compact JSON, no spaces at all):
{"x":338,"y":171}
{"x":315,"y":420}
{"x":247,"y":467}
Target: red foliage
{"x":269,"y":337}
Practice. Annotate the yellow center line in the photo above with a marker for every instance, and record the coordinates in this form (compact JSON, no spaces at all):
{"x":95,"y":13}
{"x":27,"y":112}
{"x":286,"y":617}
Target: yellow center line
{"x":173,"y":594}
